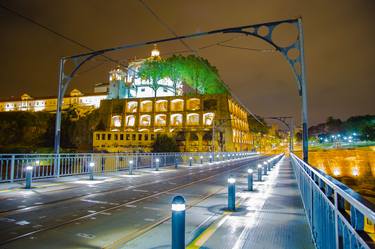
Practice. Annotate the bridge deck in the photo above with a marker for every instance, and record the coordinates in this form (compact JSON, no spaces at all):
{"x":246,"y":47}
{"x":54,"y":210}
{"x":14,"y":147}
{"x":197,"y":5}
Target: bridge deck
{"x":270,"y":217}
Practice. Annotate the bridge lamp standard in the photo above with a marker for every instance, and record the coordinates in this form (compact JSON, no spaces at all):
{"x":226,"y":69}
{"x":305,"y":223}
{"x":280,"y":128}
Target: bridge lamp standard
{"x":178,"y":222}
{"x":29,"y":176}
{"x":131,"y":162}
{"x":265,"y":167}
{"x":259,"y":172}
{"x":250,"y":179}
{"x":231,"y":193}
{"x":157,"y":161}
{"x":91,"y":170}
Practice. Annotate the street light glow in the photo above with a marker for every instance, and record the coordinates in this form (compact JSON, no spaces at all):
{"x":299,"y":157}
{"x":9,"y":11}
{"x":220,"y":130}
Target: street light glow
{"x":259,"y":166}
{"x":28,"y":168}
{"x":249,"y":171}
{"x":231,"y":180}
{"x":91,"y":164}
{"x":178,"y":207}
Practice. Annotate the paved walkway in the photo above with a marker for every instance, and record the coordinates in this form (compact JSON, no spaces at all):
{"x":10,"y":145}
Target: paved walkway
{"x":270,"y":217}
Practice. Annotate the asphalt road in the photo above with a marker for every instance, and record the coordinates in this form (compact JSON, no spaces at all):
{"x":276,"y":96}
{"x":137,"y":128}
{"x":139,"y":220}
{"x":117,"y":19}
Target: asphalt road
{"x":96,"y":214}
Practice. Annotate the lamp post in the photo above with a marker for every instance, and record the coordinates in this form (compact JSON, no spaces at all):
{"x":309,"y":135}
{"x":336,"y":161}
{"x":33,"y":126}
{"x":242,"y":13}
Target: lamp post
{"x":178,"y":222}
{"x":201,"y":157}
{"x":91,"y":170}
{"x":259,"y":172}
{"x":29,"y":176}
{"x":210,"y":158}
{"x":157,"y":161}
{"x":265,"y":168}
{"x":190,"y":161}
{"x":131,"y":167}
{"x":231,"y":193}
{"x":250,"y":179}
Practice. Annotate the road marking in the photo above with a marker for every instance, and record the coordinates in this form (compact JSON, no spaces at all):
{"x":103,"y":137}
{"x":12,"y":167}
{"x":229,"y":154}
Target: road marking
{"x":95,"y":201}
{"x":152,"y":208}
{"x":130,"y":206}
{"x":140,"y":190}
{"x":86,"y":235}
{"x":149,"y":219}
{"x":22,"y":222}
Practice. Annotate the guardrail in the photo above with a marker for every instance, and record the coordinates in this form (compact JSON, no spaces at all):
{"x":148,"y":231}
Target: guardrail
{"x":13,"y":166}
{"x":338,"y":216}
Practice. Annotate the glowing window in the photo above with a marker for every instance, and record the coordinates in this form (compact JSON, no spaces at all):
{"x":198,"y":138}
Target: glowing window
{"x":161,"y":106}
{"x":130,"y":120}
{"x":208,"y":118}
{"x":177,"y":105}
{"x":146,"y":106}
{"x":193,"y":104}
{"x":176,"y":119}
{"x":145,"y":120}
{"x":161,"y":120}
{"x":132,"y":106}
{"x":116,"y":121}
{"x":193,"y":119}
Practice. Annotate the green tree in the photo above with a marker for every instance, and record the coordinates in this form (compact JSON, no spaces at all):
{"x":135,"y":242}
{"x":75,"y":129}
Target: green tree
{"x":165,"y":143}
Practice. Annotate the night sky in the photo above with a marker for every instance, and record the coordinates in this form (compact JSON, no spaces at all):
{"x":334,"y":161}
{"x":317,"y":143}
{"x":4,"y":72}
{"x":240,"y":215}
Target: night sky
{"x":339,"y":48}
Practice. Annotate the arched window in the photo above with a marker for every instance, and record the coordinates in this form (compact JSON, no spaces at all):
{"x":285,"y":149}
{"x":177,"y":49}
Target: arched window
{"x":161,"y":120}
{"x":146,"y":106}
{"x":132,"y":106}
{"x":192,"y":119}
{"x":145,"y":120}
{"x":193,"y":104}
{"x":130,"y":120}
{"x":161,"y":106}
{"x":177,"y":105}
{"x":116,"y":121}
{"x":208,"y":118}
{"x":176,"y":119}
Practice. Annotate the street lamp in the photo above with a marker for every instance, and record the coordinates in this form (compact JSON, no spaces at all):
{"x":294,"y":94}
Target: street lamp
{"x":91,"y":170}
{"x":231,"y":193}
{"x":250,"y":179}
{"x":29,"y":176}
{"x":178,"y":222}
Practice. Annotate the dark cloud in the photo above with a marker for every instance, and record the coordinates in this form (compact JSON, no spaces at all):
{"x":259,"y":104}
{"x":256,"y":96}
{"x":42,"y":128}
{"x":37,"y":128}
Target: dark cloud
{"x":339,"y":41}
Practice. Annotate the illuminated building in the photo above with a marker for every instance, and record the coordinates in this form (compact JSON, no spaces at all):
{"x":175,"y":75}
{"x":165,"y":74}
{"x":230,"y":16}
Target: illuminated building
{"x":75,"y":98}
{"x":137,"y":111}
{"x":133,"y":124}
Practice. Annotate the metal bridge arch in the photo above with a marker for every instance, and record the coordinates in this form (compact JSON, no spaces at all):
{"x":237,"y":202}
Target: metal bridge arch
{"x":250,"y":30}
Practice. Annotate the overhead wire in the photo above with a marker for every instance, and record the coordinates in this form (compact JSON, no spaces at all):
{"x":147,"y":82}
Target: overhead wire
{"x":166,"y":26}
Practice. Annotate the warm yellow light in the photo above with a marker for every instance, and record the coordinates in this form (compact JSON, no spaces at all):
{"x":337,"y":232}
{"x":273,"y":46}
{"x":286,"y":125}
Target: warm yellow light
{"x":355,"y":172}
{"x":155,"y":52}
{"x":336,"y":172}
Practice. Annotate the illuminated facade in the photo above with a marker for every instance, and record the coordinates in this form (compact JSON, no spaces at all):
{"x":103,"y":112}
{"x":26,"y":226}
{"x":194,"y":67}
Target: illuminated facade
{"x":127,"y":84}
{"x":195,"y":121}
{"x":75,"y":98}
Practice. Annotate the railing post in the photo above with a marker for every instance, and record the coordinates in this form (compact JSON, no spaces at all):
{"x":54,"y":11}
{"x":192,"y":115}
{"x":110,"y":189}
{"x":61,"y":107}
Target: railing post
{"x":12,"y":168}
{"x":175,"y":161}
{"x":357,"y":219}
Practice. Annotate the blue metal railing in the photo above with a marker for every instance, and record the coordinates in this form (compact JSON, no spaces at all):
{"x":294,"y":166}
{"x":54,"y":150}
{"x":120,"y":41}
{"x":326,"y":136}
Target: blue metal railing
{"x":13,"y":166}
{"x":338,"y":216}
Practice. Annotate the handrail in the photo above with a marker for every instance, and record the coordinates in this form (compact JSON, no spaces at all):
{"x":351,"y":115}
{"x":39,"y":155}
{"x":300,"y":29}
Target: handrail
{"x":324,"y":196}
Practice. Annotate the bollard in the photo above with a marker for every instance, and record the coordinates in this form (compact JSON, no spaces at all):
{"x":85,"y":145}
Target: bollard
{"x":190,"y":161}
{"x":29,"y":176}
{"x":91,"y":170}
{"x":175,"y":162}
{"x":201,"y":157}
{"x":231,"y":193}
{"x":250,"y":180}
{"x":265,"y":168}
{"x":178,"y":222}
{"x":260,"y":172}
{"x":131,"y":167}
{"x":210,"y":158}
{"x":157,"y":160}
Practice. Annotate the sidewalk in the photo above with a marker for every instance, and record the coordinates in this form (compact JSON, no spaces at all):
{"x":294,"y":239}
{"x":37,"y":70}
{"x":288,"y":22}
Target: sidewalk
{"x":272,"y":216}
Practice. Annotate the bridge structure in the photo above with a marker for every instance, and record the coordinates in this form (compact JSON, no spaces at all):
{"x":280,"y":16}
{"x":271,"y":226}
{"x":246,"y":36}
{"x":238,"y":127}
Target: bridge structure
{"x":124,"y":201}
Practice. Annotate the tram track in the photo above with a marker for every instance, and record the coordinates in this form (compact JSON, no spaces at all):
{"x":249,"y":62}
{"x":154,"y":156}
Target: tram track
{"x":238,"y":164}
